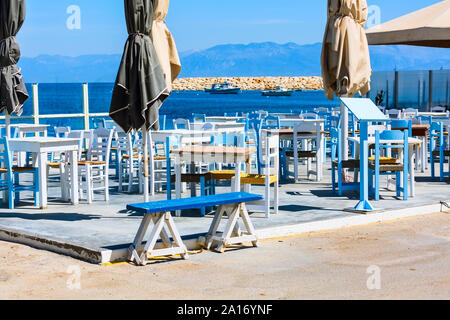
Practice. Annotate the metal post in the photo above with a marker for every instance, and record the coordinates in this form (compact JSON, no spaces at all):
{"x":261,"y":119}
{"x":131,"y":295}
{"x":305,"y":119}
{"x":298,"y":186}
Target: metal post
{"x":364,"y":204}
{"x":430,"y":90}
{"x":35,"y":103}
{"x":86,"y":105}
{"x":344,"y":132}
{"x":396,"y":86}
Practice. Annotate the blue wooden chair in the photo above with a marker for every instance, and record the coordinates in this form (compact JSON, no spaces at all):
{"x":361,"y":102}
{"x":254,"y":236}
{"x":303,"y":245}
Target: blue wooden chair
{"x":255,"y":124}
{"x":14,"y":132}
{"x":402,"y":125}
{"x":99,"y":123}
{"x":379,"y":167}
{"x":270,"y":123}
{"x":197,"y":117}
{"x":11,"y":173}
{"x":438,"y":150}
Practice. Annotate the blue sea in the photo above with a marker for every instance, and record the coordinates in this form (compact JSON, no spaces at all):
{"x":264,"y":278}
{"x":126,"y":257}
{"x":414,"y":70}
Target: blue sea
{"x":67,"y":98}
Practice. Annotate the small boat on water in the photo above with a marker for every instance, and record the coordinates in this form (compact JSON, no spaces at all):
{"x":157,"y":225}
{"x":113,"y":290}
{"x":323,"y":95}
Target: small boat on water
{"x":279,"y":91}
{"x":223,"y":88}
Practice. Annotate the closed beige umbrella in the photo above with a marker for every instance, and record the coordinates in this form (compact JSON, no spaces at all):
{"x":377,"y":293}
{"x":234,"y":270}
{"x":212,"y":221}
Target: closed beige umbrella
{"x":428,"y":27}
{"x":345,"y":53}
{"x":345,"y":57}
{"x":164,"y":44}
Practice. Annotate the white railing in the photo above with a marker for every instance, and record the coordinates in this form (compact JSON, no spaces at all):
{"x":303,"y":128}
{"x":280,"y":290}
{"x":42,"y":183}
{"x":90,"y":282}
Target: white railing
{"x":86,"y":115}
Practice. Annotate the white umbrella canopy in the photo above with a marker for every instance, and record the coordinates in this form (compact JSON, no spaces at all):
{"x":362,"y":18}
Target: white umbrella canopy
{"x":429,"y":27}
{"x":345,"y":56}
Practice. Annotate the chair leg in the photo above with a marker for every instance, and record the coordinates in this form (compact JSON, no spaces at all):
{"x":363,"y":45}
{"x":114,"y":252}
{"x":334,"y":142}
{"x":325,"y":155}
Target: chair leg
{"x":267,"y":200}
{"x":36,"y":188}
{"x":89,"y":192}
{"x":202,"y":192}
{"x":106,"y":184}
{"x":276,"y":194}
{"x":377,"y":185}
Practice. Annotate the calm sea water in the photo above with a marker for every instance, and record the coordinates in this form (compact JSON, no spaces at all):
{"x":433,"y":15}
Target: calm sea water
{"x":68,"y":98}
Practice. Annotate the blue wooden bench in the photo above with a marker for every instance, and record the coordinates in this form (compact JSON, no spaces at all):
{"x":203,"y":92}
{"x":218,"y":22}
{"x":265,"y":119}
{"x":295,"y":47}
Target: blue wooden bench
{"x":230,"y":204}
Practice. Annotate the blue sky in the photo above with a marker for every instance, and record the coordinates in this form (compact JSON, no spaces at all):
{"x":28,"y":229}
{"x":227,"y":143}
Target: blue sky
{"x":195,"y":24}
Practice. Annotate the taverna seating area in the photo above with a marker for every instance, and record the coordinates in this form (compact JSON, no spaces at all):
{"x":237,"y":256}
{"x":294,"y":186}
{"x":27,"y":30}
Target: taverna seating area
{"x":84,"y":188}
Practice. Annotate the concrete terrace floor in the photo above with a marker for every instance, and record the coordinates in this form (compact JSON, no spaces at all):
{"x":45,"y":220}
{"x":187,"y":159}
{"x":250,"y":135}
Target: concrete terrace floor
{"x":108,"y":224}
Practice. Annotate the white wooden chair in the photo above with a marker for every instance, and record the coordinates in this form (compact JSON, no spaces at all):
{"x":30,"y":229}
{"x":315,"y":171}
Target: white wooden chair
{"x":128,"y":159}
{"x":96,"y":168}
{"x":303,"y":148}
{"x":64,"y":166}
{"x":309,"y":115}
{"x":269,"y":152}
{"x":410,"y":113}
{"x":394,"y":113}
{"x":62,"y":132}
{"x":181,"y":124}
{"x":438,"y":109}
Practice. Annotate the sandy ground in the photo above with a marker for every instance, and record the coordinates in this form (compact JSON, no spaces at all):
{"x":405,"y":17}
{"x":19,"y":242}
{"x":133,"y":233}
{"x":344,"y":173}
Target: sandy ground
{"x":406,"y":259}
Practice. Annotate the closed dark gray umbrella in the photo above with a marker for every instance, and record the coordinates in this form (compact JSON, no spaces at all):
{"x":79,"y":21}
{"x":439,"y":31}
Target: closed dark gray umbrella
{"x":140,"y":87}
{"x":13,"y":92}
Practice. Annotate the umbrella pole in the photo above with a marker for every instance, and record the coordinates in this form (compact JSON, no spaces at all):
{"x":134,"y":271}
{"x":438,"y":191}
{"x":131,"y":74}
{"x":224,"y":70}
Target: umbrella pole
{"x":7,"y":125}
{"x":145,"y":149}
{"x":344,"y":131}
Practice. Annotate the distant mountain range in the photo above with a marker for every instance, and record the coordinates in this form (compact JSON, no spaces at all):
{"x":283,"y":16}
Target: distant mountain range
{"x":255,"y":59}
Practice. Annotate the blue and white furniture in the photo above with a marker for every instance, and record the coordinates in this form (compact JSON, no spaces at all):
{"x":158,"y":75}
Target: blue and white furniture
{"x":9,"y":176}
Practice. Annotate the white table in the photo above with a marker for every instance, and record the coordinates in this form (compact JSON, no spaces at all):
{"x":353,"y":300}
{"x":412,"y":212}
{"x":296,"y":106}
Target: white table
{"x":219,"y":126}
{"x":212,"y":154}
{"x":412,"y":144}
{"x":24,"y":128}
{"x":222,"y":119}
{"x":292,"y":122}
{"x":40,"y":147}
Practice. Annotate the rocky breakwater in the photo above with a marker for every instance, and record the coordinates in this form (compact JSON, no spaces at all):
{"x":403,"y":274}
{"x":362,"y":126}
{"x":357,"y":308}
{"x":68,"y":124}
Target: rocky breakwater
{"x":251,"y":83}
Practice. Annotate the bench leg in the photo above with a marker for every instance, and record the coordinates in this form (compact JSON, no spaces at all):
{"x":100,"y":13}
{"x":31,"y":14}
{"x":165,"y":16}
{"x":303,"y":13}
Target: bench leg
{"x":232,"y":233}
{"x":161,"y":220}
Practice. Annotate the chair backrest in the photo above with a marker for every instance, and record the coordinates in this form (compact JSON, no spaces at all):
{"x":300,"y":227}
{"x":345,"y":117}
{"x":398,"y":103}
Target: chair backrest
{"x":14,"y":132}
{"x":269,"y":153}
{"x":5,"y":160}
{"x":78,"y":134}
{"x":271,"y":122}
{"x":99,"y":123}
{"x":307,"y":126}
{"x":437,"y":136}
{"x":394,"y":113}
{"x":309,"y":115}
{"x":425,"y":119}
{"x":334,"y":140}
{"x":181,"y":124}
{"x":101,"y":145}
{"x":124,"y":144}
{"x":198,"y":117}
{"x":383,"y":140}
{"x":235,"y":139}
{"x":408,"y":112}
{"x":402,"y":125}
{"x":438,"y":109}
{"x":62,"y":132}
